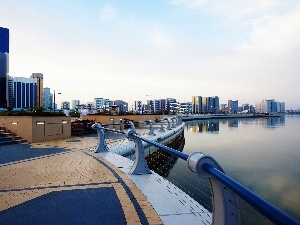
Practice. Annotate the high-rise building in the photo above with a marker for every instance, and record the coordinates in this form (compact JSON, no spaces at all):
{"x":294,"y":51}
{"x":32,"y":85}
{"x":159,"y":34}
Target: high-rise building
{"x":216,"y":104}
{"x":153,"y":105}
{"x":90,"y":105}
{"x":258,"y":107}
{"x":223,"y":107}
{"x":122,"y":106}
{"x":138,"y":106}
{"x":210,"y":104}
{"x":233,"y":106}
{"x":102,"y":104}
{"x":25,"y":92}
{"x":65,"y":105}
{"x":197,"y":104}
{"x":75,"y":103}
{"x":186,"y":107}
{"x":99,"y":103}
{"x":281,"y":107}
{"x":163,"y":104}
{"x":170,"y":103}
{"x":245,"y":107}
{"x":156,"y":107}
{"x":4,"y":67}
{"x":40,"y":88}
{"x":150,"y":106}
{"x":10,"y":90}
{"x":205,"y":104}
{"x":269,"y":106}
{"x":47,"y":98}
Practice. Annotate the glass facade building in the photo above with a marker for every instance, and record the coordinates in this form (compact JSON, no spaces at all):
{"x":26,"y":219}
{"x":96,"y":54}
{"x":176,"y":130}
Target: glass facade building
{"x":205,"y":104}
{"x":47,"y":98}
{"x":271,"y":106}
{"x":233,"y":106}
{"x":138,"y":106}
{"x":4,"y":51}
{"x":25,"y":92}
{"x":40,"y":88}
{"x":77,"y":102}
{"x":197,"y":104}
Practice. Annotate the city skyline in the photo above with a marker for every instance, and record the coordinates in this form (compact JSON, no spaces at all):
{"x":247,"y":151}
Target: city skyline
{"x":247,"y":51}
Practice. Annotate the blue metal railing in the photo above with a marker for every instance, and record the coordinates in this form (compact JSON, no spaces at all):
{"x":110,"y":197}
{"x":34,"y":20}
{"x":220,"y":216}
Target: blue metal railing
{"x":205,"y":166}
{"x":265,"y":208}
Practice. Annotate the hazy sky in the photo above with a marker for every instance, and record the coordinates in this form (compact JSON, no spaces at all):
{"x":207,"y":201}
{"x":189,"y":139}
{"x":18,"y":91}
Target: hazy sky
{"x":245,"y":50}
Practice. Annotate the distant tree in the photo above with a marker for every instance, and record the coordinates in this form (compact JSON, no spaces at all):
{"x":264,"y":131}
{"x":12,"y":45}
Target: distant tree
{"x":9,"y":108}
{"x":75,"y":114}
{"x":39,"y":109}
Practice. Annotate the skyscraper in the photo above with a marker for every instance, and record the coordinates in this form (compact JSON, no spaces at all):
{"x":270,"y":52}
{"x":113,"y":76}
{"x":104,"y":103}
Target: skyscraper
{"x":205,"y":104}
{"x":138,"y":106}
{"x":25,"y":90}
{"x":4,"y":51}
{"x":77,"y":102}
{"x":10,"y":91}
{"x":47,"y":98}
{"x":197,"y":104}
{"x":233,"y":106}
{"x":40,"y":89}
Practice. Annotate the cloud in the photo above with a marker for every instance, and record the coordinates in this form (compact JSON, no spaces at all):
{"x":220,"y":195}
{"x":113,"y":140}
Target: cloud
{"x":235,"y":14}
{"x":275,"y":33}
{"x":108,"y":13}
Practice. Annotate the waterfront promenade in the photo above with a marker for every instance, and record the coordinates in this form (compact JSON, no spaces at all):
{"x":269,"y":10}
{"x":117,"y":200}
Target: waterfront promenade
{"x":64,"y":182}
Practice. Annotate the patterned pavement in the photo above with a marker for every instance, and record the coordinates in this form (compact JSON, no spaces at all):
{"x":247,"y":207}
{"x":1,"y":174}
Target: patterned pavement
{"x":64,"y":182}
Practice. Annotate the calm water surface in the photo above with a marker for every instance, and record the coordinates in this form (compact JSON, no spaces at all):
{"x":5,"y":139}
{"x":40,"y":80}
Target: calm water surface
{"x":262,"y":154}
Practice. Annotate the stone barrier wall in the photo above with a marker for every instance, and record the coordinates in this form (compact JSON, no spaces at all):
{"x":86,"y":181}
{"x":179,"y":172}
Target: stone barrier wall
{"x":36,"y":128}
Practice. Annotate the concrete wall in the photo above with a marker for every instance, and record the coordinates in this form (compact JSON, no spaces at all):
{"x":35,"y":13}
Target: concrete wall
{"x":107,"y":119}
{"x":36,"y":129}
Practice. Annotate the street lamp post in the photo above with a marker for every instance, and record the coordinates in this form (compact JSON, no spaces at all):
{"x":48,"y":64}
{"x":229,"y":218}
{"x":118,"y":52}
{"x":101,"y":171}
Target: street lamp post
{"x":54,"y":100}
{"x":121,"y":124}
{"x":113,"y":122}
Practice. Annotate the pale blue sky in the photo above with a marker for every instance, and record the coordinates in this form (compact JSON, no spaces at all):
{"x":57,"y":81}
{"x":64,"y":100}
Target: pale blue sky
{"x":239,"y":50}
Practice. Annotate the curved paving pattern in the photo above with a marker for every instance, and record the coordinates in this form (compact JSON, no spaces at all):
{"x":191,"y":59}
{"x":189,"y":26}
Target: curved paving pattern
{"x":64,"y":182}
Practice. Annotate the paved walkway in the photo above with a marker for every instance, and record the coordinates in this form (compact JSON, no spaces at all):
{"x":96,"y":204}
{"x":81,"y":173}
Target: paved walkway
{"x":64,"y":182}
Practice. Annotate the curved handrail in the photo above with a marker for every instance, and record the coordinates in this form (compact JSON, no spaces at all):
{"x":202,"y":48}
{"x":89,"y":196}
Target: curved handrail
{"x":265,"y":208}
{"x":207,"y":167}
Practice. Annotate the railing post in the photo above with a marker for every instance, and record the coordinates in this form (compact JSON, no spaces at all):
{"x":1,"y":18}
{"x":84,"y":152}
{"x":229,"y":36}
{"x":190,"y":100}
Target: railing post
{"x":225,"y":205}
{"x":101,"y":147}
{"x":151,"y":132}
{"x":173,"y":123}
{"x":162,"y":129}
{"x":169,"y":125}
{"x":140,"y":166}
{"x":179,"y":120}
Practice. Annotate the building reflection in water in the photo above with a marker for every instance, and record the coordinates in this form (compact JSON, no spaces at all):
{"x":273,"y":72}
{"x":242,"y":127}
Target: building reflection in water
{"x":213,"y":126}
{"x":233,"y":123}
{"x":271,"y":123}
{"x":204,"y":126}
